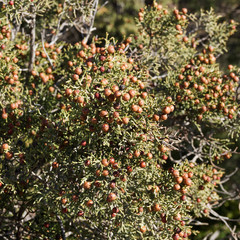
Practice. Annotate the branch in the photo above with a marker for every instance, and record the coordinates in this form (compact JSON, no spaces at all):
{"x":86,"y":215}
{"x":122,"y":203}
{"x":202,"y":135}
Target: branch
{"x":223,"y":219}
{"x":90,"y":29}
{"x":16,"y":28}
{"x":227,"y":177}
{"x":33,"y":38}
{"x":104,"y":4}
{"x":198,"y":223}
{"x":160,"y":77}
{"x":59,"y":28}
{"x":62,"y":227}
{"x":49,"y":59}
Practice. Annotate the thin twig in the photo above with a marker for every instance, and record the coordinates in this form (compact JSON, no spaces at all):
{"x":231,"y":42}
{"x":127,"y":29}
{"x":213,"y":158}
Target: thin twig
{"x":62,"y":227}
{"x":92,"y":21}
{"x":44,"y":49}
{"x":223,"y":219}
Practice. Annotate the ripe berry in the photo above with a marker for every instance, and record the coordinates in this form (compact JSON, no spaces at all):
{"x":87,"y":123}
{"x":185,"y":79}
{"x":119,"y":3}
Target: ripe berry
{"x":105,"y":127}
{"x":156,"y":207}
{"x":111,"y":49}
{"x":64,"y":210}
{"x":125,"y":120}
{"x":183,"y":197}
{"x":87,"y":185}
{"x":177,"y":187}
{"x":111,"y":197}
{"x":142,"y":164}
{"x":5,"y":146}
{"x":89,"y":203}
{"x":143,"y":229}
{"x":80,"y":213}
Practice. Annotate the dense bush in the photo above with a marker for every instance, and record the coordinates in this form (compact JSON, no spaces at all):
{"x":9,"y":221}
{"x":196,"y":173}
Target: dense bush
{"x":112,"y":140}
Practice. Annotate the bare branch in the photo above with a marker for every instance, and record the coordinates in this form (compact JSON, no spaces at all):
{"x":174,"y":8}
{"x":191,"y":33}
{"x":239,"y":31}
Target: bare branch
{"x":49,"y":59}
{"x":33,"y":38}
{"x":227,"y":177}
{"x":62,"y":227}
{"x":90,"y":29}
{"x":223,"y":219}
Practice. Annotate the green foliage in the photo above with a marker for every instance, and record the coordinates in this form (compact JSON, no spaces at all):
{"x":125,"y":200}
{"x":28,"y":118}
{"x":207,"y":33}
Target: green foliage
{"x":105,"y":140}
